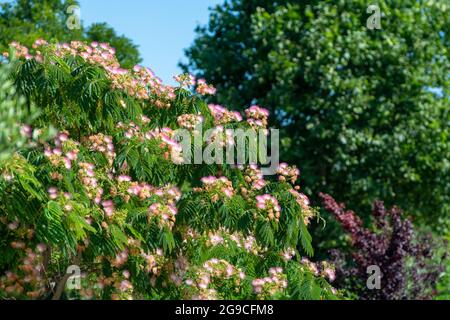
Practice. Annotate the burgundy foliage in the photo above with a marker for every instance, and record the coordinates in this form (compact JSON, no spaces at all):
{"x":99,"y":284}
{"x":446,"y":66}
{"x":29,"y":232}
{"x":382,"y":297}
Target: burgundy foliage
{"x":410,"y":264}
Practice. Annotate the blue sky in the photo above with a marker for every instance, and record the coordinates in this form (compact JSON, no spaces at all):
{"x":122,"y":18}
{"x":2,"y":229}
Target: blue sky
{"x":161,"y":28}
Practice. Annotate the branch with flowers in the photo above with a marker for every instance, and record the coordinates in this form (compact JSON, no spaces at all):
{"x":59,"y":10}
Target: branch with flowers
{"x":111,"y":189}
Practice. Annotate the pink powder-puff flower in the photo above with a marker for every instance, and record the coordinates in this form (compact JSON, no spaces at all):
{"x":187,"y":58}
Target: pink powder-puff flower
{"x":125,"y":285}
{"x":189,"y":282}
{"x":123,"y":178}
{"x":67,"y":163}
{"x":72,"y":155}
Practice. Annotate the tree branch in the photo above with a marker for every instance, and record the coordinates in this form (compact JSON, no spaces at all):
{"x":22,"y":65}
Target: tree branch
{"x":62,"y":283}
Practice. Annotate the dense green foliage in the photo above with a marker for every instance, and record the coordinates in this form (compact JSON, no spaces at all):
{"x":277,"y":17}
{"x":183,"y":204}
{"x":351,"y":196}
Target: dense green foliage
{"x":26,"y":21}
{"x":12,"y":110}
{"x":109,"y":195}
{"x":364,"y":112}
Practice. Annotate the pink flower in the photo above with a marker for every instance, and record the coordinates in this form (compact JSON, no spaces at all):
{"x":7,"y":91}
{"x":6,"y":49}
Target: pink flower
{"x":48,"y":152}
{"x":208,"y":180}
{"x":62,"y":137}
{"x":41,"y":247}
{"x":108,"y":207}
{"x":67,"y":163}
{"x":125,"y":285}
{"x":52,"y":193}
{"x":72,"y":155}
{"x":26,"y":131}
{"x":259,"y":184}
{"x":330,"y":274}
{"x":107,"y":203}
{"x":13,"y":225}
{"x":123,"y":178}
{"x":228,"y":192}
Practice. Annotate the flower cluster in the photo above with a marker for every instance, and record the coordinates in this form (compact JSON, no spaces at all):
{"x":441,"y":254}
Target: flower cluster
{"x":225,"y":237}
{"x":96,"y":53}
{"x":304,"y":203}
{"x":221,"y":137}
{"x":131,"y":130}
{"x":123,"y":286}
{"x":328,"y":271}
{"x":288,"y":254}
{"x":64,"y":153}
{"x":177,"y":270}
{"x":118,"y":282}
{"x":268,"y":204}
{"x":20,"y":51}
{"x":169,"y":194}
{"x":104,"y":144}
{"x":163,"y":215}
{"x":90,"y":182}
{"x":154,"y":262}
{"x":64,"y":198}
{"x":28,"y":279}
{"x":162,"y":212}
{"x":120,"y":259}
{"x":324,"y":268}
{"x":217,"y":187}
{"x":189,"y":121}
{"x":108,"y":208}
{"x":127,"y":188}
{"x":139,"y":82}
{"x":203,"y":88}
{"x":257,"y":117}
{"x":288,"y":173}
{"x":222,"y":115}
{"x":185,"y":80}
{"x":213,"y":273}
{"x":164,"y":135}
{"x":266,"y":288}
{"x":144,"y":85}
{"x":95,"y":284}
{"x":254,"y":177}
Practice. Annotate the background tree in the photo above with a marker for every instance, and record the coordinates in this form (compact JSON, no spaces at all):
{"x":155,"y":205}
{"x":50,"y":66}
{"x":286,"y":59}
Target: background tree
{"x":26,"y":21}
{"x":357,"y":105}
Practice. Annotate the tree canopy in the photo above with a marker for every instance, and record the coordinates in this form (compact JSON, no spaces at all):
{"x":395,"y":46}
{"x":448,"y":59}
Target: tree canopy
{"x":110,"y":194}
{"x":26,"y":21}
